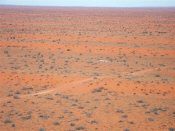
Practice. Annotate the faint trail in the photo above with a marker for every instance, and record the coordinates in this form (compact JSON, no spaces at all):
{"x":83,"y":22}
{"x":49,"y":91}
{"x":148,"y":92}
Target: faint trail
{"x":39,"y":93}
{"x":60,"y":88}
{"x":66,"y":87}
{"x":137,"y":73}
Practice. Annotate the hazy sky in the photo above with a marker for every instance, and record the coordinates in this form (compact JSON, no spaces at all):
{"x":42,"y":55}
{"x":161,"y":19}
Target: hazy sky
{"x":95,"y":3}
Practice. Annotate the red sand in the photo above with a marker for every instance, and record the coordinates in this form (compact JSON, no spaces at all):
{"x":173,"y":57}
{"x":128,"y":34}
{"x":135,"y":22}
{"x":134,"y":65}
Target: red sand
{"x":103,"y":69}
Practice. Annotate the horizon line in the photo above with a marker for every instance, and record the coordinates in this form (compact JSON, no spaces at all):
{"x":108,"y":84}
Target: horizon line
{"x":67,"y":6}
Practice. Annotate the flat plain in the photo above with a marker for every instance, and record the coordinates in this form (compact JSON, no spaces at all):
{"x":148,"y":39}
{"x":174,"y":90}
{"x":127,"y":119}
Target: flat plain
{"x":104,"y":69}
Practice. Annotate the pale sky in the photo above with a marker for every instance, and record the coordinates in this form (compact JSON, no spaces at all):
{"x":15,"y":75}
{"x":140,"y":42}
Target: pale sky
{"x":92,"y":3}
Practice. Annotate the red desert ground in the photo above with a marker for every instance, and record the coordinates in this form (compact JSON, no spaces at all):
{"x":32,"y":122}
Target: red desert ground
{"x":104,"y":69}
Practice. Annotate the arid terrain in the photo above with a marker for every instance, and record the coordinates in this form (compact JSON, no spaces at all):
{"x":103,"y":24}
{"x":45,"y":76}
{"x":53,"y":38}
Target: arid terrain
{"x":91,"y":69}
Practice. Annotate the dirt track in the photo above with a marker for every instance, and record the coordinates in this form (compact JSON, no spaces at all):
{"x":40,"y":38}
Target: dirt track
{"x":103,"y":69}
